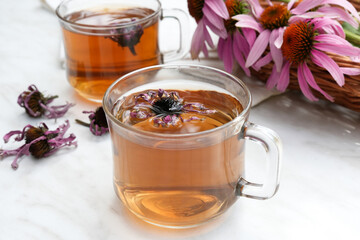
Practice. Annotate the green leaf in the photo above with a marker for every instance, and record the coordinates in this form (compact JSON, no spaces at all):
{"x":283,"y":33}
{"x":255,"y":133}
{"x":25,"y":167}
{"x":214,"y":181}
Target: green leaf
{"x":352,"y":34}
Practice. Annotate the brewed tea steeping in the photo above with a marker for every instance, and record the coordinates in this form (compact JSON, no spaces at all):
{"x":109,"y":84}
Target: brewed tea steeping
{"x":178,"y":135}
{"x":159,"y":182}
{"x":96,"y":57}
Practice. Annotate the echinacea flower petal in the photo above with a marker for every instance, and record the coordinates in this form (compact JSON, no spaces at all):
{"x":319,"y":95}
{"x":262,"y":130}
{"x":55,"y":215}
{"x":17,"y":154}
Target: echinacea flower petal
{"x":310,"y":79}
{"x":215,"y":20}
{"x":303,"y":84}
{"x":328,"y":25}
{"x":228,"y":58}
{"x":308,"y":15}
{"x":246,"y":21}
{"x":335,"y":48}
{"x":262,"y":62}
{"x":208,"y":39}
{"x":336,"y":44}
{"x":350,"y":71}
{"x":259,"y":47}
{"x":255,"y":8}
{"x":324,"y":61}
{"x":241,"y":42}
{"x":341,"y":15}
{"x":279,"y":40}
{"x":56,"y":111}
{"x":249,"y":35}
{"x":305,"y":6}
{"x":238,"y":54}
{"x":221,"y":32}
{"x":273,"y":78}
{"x":220,"y":48}
{"x":284,"y":77}
{"x":39,"y":142}
{"x":345,"y":4}
{"x":219,"y":7}
{"x":331,"y":39}
{"x":197,"y":41}
{"x":291,"y":4}
{"x":98,"y":124}
{"x":276,"y":53}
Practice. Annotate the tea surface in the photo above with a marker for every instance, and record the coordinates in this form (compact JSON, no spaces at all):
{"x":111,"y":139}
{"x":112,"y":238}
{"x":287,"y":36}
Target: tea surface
{"x":195,"y":111}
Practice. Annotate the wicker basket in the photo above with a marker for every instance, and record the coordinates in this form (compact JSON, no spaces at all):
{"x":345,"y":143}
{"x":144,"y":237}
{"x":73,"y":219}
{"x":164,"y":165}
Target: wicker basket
{"x":347,"y":95}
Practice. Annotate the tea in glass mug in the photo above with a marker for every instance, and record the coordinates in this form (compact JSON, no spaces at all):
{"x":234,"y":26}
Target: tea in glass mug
{"x":178,"y":135}
{"x":104,"y":40}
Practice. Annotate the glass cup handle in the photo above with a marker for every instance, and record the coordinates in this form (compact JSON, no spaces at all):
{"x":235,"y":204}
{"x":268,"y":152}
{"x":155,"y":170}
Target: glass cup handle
{"x":183,"y":20}
{"x":273,"y":148}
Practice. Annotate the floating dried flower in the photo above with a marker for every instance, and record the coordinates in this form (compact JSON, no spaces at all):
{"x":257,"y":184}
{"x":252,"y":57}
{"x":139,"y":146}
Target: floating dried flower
{"x":36,"y":104}
{"x":207,"y":13}
{"x":98,"y":124}
{"x":165,"y":108}
{"x":39,"y":141}
{"x":305,"y":41}
{"x":235,"y":47}
{"x":127,"y":36}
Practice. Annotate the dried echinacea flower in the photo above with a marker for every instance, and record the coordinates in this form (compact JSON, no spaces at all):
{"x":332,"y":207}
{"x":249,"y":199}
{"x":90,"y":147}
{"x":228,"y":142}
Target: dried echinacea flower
{"x":98,"y":124}
{"x":39,"y":141}
{"x":127,"y":36}
{"x":165,"y":108}
{"x":36,"y":104}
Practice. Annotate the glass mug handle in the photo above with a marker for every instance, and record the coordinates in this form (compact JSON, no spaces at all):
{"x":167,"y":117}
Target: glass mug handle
{"x":273,"y":148}
{"x":183,"y":20}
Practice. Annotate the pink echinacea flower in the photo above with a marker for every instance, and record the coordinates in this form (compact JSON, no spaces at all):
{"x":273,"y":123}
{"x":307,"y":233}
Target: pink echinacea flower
{"x":272,"y":21}
{"x":306,"y":41}
{"x":208,"y":14}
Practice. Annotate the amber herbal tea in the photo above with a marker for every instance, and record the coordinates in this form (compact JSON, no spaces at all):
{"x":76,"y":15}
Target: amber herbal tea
{"x":178,"y":182}
{"x":103,"y":44}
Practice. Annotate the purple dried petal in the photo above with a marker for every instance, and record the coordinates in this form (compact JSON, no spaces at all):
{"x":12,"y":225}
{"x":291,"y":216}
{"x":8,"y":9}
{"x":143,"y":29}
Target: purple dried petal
{"x":160,"y":92}
{"x":167,"y":106}
{"x":193,"y":118}
{"x":133,"y":115}
{"x":53,"y":138}
{"x":57,"y":111}
{"x":36,"y":104}
{"x":167,"y":119}
{"x":21,"y":134}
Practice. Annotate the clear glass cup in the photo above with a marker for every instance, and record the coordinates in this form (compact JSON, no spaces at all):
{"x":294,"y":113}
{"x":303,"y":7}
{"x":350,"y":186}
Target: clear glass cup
{"x":182,"y":180}
{"x":104,"y":40}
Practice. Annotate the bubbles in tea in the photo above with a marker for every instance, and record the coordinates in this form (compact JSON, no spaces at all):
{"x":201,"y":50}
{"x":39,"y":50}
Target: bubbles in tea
{"x":98,"y":56}
{"x":178,"y":182}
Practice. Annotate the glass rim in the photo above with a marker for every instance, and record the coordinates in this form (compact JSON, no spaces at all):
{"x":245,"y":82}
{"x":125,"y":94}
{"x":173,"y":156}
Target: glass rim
{"x":238,"y":118}
{"x":105,"y":27}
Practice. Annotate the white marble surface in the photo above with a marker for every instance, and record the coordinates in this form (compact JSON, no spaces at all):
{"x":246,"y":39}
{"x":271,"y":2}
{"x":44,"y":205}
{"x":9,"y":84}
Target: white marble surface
{"x":70,"y":195}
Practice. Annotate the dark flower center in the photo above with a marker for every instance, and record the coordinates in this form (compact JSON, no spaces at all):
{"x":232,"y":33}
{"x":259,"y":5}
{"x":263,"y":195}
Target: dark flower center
{"x":34,"y":103}
{"x":41,"y":147}
{"x":195,"y":8}
{"x":100,"y":118}
{"x":166,"y":106}
{"x":234,"y":8}
{"x":298,"y":42}
{"x":128,"y":37}
{"x":275,"y":16}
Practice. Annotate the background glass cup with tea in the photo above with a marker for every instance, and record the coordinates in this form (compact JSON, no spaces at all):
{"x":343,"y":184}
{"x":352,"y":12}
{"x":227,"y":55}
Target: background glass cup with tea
{"x":103,"y":40}
{"x":181,"y":180}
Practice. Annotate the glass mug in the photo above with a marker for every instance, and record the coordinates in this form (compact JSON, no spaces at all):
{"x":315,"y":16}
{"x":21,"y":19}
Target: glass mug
{"x":182,"y":180}
{"x":103,"y":40}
